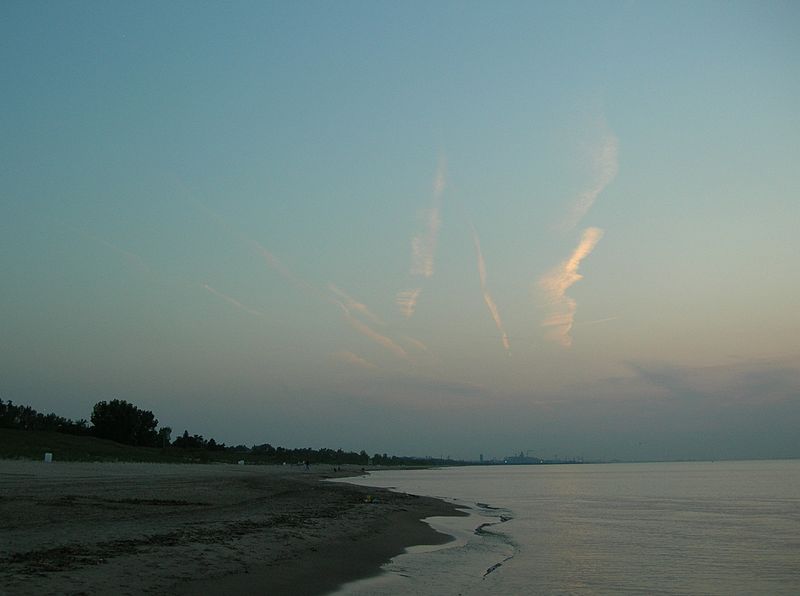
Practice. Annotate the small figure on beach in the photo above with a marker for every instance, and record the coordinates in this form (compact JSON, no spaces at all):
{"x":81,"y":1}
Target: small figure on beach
{"x":306,"y":462}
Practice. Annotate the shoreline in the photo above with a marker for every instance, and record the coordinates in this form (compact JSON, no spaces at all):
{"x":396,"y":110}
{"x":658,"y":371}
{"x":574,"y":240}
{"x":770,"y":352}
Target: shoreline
{"x":217,"y":529}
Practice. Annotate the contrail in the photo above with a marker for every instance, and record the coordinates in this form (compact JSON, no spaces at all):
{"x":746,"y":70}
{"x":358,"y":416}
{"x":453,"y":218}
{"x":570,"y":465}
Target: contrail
{"x":605,"y":166}
{"x":269,"y":258}
{"x":234,"y":302}
{"x":407,"y":301}
{"x":368,"y":331}
{"x":355,"y":304}
{"x":595,"y":322}
{"x":423,"y":245}
{"x":354,"y":359}
{"x":133,"y":258}
{"x":416,"y":343}
{"x":487,"y":297}
{"x":555,"y":285}
{"x":274,"y":263}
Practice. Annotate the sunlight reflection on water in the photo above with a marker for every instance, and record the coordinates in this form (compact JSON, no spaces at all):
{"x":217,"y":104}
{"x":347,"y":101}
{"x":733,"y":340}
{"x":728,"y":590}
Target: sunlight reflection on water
{"x":659,"y":528}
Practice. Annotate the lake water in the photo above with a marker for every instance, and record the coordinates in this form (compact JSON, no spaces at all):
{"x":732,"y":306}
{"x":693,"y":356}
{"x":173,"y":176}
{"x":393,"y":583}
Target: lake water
{"x":656,"y":528}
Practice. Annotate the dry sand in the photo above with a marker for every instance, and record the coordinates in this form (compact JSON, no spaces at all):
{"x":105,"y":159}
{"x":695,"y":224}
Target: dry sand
{"x":125,"y":528}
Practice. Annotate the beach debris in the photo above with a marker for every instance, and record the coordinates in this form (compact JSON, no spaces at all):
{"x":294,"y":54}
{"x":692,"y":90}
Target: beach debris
{"x":48,"y":457}
{"x":492,"y":568}
{"x":496,"y":566}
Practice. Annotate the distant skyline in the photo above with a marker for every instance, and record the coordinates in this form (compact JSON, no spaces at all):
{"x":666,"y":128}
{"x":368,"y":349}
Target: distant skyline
{"x":417,"y":228}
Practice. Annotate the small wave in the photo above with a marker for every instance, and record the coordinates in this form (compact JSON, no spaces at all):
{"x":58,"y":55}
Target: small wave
{"x":503,"y":518}
{"x":485,"y":506}
{"x":481,"y":530}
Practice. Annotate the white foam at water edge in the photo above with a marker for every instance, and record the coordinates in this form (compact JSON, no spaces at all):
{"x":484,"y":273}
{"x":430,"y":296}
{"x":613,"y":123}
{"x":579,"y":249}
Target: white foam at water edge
{"x":663,"y":527}
{"x":455,"y":567}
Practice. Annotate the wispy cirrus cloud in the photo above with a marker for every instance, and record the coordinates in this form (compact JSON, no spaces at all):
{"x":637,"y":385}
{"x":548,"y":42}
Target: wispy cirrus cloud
{"x":487,"y":297}
{"x":406,"y":300}
{"x":555,"y":284}
{"x":604,"y":170}
{"x":751,"y":381}
{"x":233,"y":301}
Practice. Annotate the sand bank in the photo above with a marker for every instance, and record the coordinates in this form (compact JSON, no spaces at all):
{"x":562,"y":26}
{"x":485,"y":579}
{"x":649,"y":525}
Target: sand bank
{"x":123,"y":528}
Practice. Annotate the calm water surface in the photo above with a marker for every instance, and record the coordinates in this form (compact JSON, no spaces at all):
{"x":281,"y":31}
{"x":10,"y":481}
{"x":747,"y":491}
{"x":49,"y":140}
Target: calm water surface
{"x":660,"y":528}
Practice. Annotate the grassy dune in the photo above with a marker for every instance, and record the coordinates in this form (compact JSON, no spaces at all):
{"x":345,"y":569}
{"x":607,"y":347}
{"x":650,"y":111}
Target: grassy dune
{"x":24,"y":444}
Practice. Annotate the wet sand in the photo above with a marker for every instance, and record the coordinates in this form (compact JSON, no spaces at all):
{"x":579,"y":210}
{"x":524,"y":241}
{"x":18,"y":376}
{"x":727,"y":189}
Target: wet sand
{"x":124,"y":528}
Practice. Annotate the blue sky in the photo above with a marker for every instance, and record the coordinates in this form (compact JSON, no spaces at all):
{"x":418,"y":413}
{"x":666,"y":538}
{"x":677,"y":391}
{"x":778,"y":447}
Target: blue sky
{"x":420,"y":228}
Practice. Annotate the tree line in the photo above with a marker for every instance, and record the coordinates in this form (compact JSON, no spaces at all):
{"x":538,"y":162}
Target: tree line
{"x":116,"y":420}
{"x":26,"y":418}
{"x":123,"y":422}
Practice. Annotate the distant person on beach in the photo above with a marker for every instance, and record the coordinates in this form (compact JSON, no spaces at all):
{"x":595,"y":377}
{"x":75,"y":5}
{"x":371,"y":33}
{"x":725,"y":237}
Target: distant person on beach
{"x":306,"y":464}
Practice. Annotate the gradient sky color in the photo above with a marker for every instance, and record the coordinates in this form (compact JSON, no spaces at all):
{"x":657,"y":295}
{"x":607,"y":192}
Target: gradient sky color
{"x":422,"y":228}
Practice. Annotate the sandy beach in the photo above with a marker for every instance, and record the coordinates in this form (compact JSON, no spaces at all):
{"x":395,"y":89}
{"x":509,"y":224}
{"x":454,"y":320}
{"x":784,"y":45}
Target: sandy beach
{"x":128,"y":528}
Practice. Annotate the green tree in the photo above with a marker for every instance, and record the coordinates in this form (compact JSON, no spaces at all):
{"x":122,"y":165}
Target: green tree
{"x":164,"y":436}
{"x":123,"y":422}
{"x":189,"y":442}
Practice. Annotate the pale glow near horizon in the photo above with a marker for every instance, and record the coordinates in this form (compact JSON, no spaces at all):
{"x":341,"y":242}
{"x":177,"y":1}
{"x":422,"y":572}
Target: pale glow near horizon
{"x":266,"y":239}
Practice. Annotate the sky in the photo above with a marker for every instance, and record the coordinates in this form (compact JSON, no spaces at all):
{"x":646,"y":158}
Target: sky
{"x":421,"y":228}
